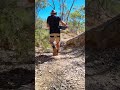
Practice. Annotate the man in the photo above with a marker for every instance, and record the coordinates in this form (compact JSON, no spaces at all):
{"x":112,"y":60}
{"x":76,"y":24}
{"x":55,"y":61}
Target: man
{"x":53,"y":22}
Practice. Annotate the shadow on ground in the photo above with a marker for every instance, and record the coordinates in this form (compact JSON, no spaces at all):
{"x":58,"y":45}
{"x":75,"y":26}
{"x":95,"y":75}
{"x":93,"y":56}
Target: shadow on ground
{"x":43,"y":58}
{"x":15,"y":78}
{"x":73,"y":53}
{"x":102,"y":69}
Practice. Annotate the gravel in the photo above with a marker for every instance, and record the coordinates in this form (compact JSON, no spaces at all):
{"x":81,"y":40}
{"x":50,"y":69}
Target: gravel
{"x":64,"y":73}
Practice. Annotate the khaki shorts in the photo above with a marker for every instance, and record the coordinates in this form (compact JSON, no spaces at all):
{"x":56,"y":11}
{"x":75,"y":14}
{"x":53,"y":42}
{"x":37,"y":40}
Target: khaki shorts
{"x":55,"y":37}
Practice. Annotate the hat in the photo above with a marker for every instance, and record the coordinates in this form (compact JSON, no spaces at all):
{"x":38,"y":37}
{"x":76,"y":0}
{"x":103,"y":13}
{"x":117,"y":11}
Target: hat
{"x":53,"y":12}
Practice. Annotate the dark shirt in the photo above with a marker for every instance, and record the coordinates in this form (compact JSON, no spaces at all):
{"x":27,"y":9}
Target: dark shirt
{"x":53,"y":22}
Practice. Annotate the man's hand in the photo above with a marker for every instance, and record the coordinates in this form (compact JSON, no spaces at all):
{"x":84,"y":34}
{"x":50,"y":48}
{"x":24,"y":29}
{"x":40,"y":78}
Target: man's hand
{"x":63,"y":23}
{"x":67,"y":26}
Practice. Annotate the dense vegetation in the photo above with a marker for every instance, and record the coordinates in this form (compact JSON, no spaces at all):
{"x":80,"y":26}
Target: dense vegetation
{"x":98,"y":11}
{"x":16,"y":32}
{"x":15,"y":22}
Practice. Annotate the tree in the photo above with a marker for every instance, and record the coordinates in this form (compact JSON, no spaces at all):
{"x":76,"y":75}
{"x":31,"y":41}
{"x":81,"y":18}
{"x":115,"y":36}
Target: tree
{"x":39,"y":4}
{"x":64,"y":10}
{"x":77,"y":19}
{"x":70,"y":9}
{"x":101,"y":10}
{"x":15,"y":28}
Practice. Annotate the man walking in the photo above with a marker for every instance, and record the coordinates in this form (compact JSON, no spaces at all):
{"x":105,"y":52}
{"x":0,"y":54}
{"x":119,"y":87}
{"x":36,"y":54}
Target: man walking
{"x":53,"y":22}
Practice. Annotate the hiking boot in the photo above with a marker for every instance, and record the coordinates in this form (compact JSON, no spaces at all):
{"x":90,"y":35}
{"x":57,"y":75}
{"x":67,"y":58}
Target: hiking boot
{"x":55,"y":52}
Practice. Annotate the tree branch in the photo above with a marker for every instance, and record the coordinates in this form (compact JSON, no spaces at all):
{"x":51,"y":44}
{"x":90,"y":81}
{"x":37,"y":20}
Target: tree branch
{"x":70,"y":9}
{"x":53,"y":4}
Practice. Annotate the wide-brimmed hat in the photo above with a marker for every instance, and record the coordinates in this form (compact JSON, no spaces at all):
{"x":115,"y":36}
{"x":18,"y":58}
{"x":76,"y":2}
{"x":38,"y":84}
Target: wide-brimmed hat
{"x":53,"y":12}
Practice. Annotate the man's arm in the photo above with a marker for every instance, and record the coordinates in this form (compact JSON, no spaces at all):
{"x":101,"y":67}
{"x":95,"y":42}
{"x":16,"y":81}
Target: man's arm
{"x":48,"y":27}
{"x":63,"y":23}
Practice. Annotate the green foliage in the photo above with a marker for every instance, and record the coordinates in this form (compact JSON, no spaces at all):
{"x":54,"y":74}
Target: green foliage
{"x":40,"y":3}
{"x":109,"y":8}
{"x":112,"y":6}
{"x":77,"y":21}
{"x":41,"y":36}
{"x":78,"y":14}
{"x":75,"y":15}
{"x":98,"y":11}
{"x":15,"y":28}
{"x":42,"y":39}
{"x":38,"y":23}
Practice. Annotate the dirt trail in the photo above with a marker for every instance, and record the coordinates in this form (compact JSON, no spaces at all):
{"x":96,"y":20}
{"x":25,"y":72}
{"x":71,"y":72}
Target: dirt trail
{"x":65,"y":72}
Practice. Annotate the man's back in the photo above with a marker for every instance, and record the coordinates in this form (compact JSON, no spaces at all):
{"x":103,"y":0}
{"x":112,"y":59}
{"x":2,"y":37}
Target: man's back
{"x":53,"y":25}
{"x":53,"y":22}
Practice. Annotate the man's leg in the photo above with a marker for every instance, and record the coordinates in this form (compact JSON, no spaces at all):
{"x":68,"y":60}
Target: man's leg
{"x":52,"y":39}
{"x":57,"y":42}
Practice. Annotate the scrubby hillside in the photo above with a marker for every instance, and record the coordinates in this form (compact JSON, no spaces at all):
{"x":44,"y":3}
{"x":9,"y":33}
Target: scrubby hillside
{"x":67,"y":72}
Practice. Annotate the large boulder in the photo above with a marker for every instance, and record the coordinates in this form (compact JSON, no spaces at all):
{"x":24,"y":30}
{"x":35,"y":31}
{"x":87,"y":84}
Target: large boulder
{"x":102,"y":36}
{"x":105,"y":35}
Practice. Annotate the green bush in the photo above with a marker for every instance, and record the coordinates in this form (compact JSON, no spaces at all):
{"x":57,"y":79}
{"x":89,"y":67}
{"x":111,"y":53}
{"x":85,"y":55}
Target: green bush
{"x":42,"y":39}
